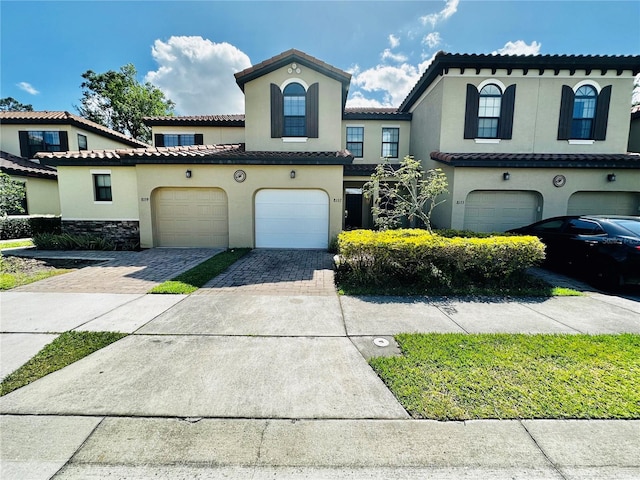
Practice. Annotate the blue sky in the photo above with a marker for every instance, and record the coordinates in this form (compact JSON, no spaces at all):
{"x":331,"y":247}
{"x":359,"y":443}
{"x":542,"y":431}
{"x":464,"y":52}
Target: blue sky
{"x":191,"y":49}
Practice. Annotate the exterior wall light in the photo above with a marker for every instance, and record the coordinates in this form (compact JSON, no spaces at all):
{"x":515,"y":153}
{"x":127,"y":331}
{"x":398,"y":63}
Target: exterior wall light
{"x":187,"y":174}
{"x":506,"y":176}
{"x":611,"y":177}
{"x":293,"y":174}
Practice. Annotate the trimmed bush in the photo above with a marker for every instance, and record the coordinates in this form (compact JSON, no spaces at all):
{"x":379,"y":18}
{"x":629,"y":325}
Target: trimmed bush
{"x":26,"y":227}
{"x":65,"y":241}
{"x":412,"y":256}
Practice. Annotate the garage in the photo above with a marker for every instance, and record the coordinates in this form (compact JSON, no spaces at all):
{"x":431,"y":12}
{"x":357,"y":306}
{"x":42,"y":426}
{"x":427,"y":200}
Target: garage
{"x":292,"y":219}
{"x":498,"y":210}
{"x":604,"y":203}
{"x":191,"y":217}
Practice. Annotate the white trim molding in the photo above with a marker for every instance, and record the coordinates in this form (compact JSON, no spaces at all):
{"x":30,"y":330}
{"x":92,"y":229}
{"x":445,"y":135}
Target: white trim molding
{"x":580,"y":142}
{"x":295,"y":139}
{"x":487,"y":140}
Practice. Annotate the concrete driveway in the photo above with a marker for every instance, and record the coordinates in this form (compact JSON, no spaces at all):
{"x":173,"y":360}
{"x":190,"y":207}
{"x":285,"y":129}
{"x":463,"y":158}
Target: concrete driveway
{"x":262,"y":374}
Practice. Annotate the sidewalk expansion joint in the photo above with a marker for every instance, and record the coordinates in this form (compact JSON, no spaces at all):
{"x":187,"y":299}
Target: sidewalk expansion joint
{"x":539,"y":447}
{"x":551,"y":318}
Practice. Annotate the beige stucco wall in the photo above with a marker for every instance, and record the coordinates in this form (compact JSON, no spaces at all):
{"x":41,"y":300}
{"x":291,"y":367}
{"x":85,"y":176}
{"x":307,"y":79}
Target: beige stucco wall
{"x":536,"y":114}
{"x":211,"y":135}
{"x":10,"y":140}
{"x":42,"y":195}
{"x":425,"y":123}
{"x":462,"y":181}
{"x":77,"y":195}
{"x":258,"y":112}
{"x":372,"y":148}
{"x":240,"y":195}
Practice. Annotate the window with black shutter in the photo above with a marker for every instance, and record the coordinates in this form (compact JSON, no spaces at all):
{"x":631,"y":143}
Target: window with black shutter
{"x":294,"y":111}
{"x":489,"y":112}
{"x":34,"y":141}
{"x":584,"y":113}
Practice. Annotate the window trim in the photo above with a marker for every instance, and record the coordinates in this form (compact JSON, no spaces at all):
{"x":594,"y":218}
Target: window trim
{"x":302,"y":117}
{"x":497,"y":118}
{"x":346,"y":143}
{"x":86,"y":142}
{"x":507,"y":110}
{"x":26,"y":147}
{"x":94,"y":177}
{"x":397,"y":143}
{"x":600,"y":119}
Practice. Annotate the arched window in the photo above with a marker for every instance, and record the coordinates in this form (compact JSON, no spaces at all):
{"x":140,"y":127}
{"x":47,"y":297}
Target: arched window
{"x":584,"y":112}
{"x":489,"y":111}
{"x":294,"y":111}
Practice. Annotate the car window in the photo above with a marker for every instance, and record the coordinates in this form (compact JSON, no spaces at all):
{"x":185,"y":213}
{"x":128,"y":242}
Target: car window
{"x":631,"y":225}
{"x":583,"y":227}
{"x":550,"y":226}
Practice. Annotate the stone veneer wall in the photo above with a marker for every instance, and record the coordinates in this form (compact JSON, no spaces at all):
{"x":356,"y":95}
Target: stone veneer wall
{"x":125,"y":234}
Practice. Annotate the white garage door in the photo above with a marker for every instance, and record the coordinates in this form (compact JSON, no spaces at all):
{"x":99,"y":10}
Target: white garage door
{"x":191,"y":217}
{"x":292,"y":219}
{"x":497,"y":211}
{"x":604,"y":203}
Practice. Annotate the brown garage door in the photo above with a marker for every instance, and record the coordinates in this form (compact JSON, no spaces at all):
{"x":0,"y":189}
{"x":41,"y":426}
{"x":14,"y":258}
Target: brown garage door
{"x":191,"y":217}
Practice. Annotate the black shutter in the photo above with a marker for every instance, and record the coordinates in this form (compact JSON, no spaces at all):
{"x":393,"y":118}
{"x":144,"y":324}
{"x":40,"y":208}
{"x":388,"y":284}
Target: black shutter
{"x":471,"y":112}
{"x":602,"y":114}
{"x":64,"y":141}
{"x":24,"y":143}
{"x":277,"y":111}
{"x":199,"y":138}
{"x":158,"y":139}
{"x":566,"y":113}
{"x":506,"y":113}
{"x":312,"y":111}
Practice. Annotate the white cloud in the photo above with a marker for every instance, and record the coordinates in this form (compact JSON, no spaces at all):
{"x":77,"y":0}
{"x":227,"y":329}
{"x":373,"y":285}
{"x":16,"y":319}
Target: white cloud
{"x":422,"y":66}
{"x":396,"y":57}
{"x":394,"y":81}
{"x":197,"y":74}
{"x":432,"y":40}
{"x":394,"y":41}
{"x":449,"y":9}
{"x":359,"y":100}
{"x":27,"y":87}
{"x":635,"y":99}
{"x":519,"y":47}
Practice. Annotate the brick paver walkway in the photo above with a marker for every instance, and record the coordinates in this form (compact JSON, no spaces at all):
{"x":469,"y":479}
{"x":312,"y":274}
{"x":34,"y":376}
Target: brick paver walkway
{"x":277,"y":272}
{"x":120,"y":272}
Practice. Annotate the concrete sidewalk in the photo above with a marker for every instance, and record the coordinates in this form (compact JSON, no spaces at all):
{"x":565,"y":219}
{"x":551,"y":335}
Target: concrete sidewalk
{"x":251,"y":382}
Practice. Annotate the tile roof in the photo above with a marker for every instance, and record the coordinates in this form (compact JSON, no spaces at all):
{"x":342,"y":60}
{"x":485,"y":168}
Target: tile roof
{"x":364,"y":113}
{"x":14,"y":165}
{"x":290,"y":56}
{"x":228,"y":154}
{"x":362,"y":169}
{"x":65,"y":118}
{"x":197,"y":120}
{"x":539,"y":160}
{"x":443,"y":61}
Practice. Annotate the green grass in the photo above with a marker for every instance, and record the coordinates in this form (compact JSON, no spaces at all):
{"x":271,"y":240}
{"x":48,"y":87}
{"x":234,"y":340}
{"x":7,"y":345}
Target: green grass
{"x":64,"y":350}
{"x":16,"y":244}
{"x":525,"y":286}
{"x":461,"y":377}
{"x":12,"y":280}
{"x":195,"y":278}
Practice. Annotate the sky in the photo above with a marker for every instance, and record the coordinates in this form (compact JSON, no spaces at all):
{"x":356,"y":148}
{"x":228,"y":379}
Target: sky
{"x":191,"y":49}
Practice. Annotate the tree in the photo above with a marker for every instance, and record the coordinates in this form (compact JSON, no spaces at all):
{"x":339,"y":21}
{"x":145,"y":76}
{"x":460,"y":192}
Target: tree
{"x":10,"y":104}
{"x":405,"y":192}
{"x":118,"y":101}
{"x":12,"y":195}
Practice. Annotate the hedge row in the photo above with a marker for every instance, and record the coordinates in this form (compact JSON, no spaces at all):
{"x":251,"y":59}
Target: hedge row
{"x":27,"y":227}
{"x":411,"y":256}
{"x":66,"y":241}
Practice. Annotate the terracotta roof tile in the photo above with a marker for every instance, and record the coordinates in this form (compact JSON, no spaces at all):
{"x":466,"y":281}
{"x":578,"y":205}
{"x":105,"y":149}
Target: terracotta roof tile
{"x":366,"y":113}
{"x":14,"y":165}
{"x":65,"y":118}
{"x":539,"y":160}
{"x":198,"y":120}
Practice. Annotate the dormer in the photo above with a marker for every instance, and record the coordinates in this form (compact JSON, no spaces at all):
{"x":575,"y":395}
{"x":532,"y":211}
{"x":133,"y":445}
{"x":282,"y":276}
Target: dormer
{"x":293,"y":102}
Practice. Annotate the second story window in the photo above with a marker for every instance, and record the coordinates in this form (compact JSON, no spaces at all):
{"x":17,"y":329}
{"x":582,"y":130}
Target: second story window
{"x":34,"y":141}
{"x":390,"y":139}
{"x":294,"y":111}
{"x":82,"y":142}
{"x":584,"y":112}
{"x":355,"y":141}
{"x":489,"y":111}
{"x":177,"y":139}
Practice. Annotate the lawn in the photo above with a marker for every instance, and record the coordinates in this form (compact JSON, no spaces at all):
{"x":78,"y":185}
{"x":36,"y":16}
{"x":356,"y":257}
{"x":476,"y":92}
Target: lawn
{"x":64,"y":350}
{"x":462,"y":377}
{"x":16,"y":271}
{"x":195,"y":278}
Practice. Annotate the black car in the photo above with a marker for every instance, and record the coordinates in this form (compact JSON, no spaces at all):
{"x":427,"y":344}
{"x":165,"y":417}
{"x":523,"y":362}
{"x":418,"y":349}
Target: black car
{"x":606,"y":249}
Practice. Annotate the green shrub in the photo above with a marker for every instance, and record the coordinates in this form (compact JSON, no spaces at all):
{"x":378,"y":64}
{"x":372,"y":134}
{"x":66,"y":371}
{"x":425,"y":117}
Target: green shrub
{"x":26,"y":227}
{"x":65,"y":241}
{"x":412,"y":256}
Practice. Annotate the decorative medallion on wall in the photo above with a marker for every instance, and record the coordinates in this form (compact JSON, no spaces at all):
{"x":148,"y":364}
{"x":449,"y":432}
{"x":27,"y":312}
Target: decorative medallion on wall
{"x":293,"y":68}
{"x":559,"y":181}
{"x":239,"y":176}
